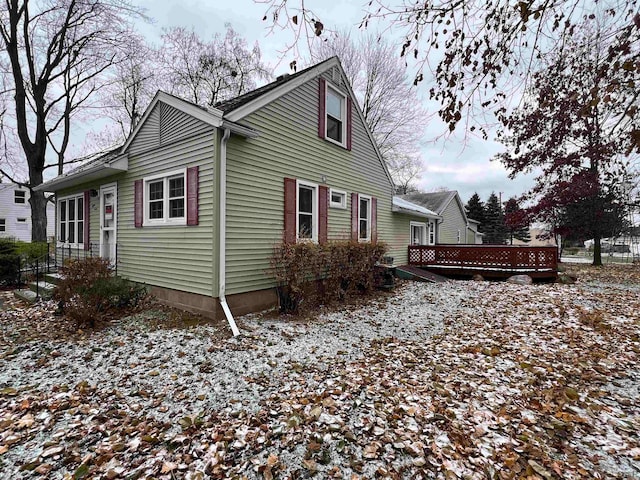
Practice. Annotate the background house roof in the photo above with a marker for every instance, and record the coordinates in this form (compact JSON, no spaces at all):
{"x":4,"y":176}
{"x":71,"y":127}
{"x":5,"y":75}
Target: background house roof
{"x":435,"y":201}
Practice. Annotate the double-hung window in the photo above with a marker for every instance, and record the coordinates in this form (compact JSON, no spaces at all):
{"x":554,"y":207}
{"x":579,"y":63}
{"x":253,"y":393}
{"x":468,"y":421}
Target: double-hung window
{"x":364,"y":218}
{"x":307,"y":211}
{"x":19,"y":196}
{"x":336,"y":120}
{"x":418,"y":233}
{"x":3,"y":224}
{"x":165,"y":199}
{"x":71,"y":219}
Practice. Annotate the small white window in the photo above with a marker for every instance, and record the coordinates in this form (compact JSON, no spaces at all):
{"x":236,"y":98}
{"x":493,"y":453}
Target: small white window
{"x":338,"y":199}
{"x":21,"y":220}
{"x":3,"y":225}
{"x":71,"y":220}
{"x":336,"y":121}
{"x":458,"y":236}
{"x":307,"y":211}
{"x":418,"y":233}
{"x":19,"y":196}
{"x":432,"y":233}
{"x":364,"y":218}
{"x":165,"y":199}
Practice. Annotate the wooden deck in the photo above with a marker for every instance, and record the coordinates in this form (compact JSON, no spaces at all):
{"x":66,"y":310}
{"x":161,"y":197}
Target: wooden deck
{"x":498,"y":261}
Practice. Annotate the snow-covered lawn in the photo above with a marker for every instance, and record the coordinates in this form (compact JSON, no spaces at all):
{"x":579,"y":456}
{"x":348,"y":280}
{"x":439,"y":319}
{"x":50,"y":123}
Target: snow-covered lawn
{"x":456,"y":380}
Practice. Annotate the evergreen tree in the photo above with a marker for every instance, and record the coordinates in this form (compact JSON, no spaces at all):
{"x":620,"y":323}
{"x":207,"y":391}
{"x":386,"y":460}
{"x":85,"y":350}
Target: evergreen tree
{"x":516,"y":222}
{"x":494,"y":230}
{"x":475,"y":210}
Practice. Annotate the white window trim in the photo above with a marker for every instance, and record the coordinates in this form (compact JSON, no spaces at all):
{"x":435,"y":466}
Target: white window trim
{"x":3,"y":224}
{"x":166,"y":220}
{"x":21,"y":220}
{"x":459,"y":235}
{"x":76,"y":244}
{"x":365,"y":197}
{"x":342,"y":204}
{"x":314,"y":213}
{"x":431,"y":228}
{"x":343,"y":119}
{"x":425,"y":232}
{"x":24,"y":198}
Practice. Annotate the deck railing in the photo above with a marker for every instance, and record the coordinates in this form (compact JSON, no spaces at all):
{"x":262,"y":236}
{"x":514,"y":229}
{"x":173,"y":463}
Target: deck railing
{"x":509,"y":258}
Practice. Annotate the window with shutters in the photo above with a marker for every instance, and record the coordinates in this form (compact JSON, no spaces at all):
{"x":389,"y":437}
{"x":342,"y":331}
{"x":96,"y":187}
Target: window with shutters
{"x":165,"y":199}
{"x":364,"y":218}
{"x":71,"y":220}
{"x":336,"y":116}
{"x":307,"y":211}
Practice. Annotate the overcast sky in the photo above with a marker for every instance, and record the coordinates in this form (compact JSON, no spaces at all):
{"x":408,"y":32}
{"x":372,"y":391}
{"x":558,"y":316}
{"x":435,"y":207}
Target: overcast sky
{"x":448,"y":164}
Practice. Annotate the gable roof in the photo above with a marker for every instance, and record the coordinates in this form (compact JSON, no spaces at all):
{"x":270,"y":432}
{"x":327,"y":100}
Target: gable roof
{"x":232,"y":104}
{"x":237,"y":109}
{"x":437,"y":201}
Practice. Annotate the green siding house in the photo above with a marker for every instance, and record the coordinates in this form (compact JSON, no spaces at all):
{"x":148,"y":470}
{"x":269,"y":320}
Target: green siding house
{"x":195,"y":200}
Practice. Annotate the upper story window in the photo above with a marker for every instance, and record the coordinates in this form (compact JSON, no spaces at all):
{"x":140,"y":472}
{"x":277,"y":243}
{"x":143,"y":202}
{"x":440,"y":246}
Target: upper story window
{"x":336,"y":121}
{"x":364,"y":218}
{"x":334,"y":115}
{"x":338,"y":199}
{"x":307,"y":211}
{"x":71,"y":219}
{"x":165,"y":199}
{"x":19,"y":196}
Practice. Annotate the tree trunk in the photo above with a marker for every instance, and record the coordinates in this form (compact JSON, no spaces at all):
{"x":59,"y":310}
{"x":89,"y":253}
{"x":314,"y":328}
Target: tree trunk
{"x":38,"y":217}
{"x":38,"y":204}
{"x":597,"y":251}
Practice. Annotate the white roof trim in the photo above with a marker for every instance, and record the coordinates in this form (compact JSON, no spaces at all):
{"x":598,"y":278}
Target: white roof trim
{"x":403,"y":206}
{"x":91,"y":172}
{"x":212,"y":116}
{"x":277,"y":92}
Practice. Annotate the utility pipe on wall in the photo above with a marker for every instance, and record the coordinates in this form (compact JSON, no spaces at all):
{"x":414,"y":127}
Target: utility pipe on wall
{"x":222,"y":262}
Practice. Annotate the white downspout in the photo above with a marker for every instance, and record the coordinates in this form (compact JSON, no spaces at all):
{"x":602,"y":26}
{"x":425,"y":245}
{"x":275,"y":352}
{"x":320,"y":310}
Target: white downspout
{"x":222,"y":262}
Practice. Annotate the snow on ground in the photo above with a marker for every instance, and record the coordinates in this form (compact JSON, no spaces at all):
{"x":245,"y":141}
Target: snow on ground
{"x":455,"y":380}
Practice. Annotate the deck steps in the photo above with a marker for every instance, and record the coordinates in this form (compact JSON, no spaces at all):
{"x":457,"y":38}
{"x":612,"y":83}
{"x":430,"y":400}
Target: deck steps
{"x":410,"y":272}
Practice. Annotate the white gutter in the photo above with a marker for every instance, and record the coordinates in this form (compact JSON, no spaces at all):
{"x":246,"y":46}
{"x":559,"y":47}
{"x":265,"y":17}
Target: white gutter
{"x":222,"y":226}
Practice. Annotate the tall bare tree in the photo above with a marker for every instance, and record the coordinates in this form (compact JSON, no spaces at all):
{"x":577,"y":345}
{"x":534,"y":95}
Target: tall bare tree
{"x":55,"y":53}
{"x":390,"y":105}
{"x":206,"y":72}
{"x":131,"y":88}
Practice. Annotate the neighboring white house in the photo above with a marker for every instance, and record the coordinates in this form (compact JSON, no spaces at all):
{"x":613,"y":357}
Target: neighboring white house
{"x":15,"y":213}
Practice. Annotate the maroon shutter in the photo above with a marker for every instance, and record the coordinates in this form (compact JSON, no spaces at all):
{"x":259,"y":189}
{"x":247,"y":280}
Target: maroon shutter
{"x":322,"y":98}
{"x":192,"y":196}
{"x":349,"y":115}
{"x":290,"y":210}
{"x":323,"y":207}
{"x":85,"y":217}
{"x":354,"y":216}
{"x":137,"y":204}
{"x":374,"y":219}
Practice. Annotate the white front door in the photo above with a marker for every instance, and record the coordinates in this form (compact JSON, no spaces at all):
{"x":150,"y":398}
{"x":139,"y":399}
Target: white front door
{"x":108,"y":220}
